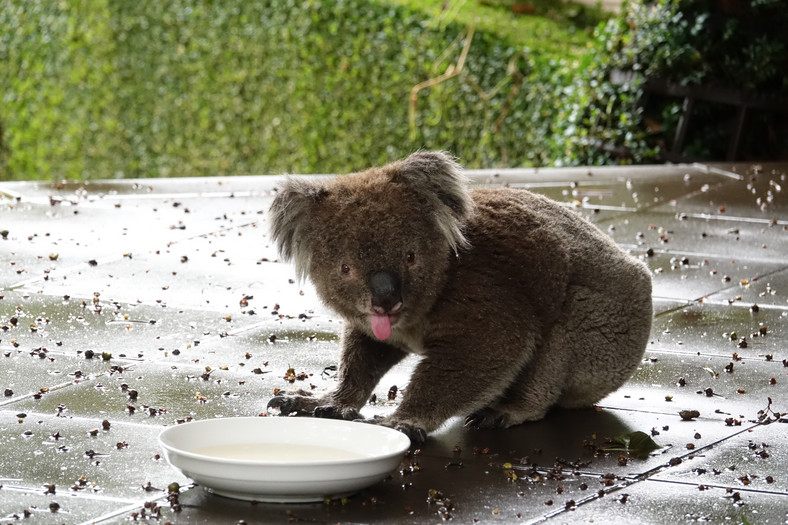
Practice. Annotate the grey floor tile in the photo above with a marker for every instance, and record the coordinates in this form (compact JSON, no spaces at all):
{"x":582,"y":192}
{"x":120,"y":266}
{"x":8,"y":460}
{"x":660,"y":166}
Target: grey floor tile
{"x":154,"y":395}
{"x":657,"y":503}
{"x":202,"y":322}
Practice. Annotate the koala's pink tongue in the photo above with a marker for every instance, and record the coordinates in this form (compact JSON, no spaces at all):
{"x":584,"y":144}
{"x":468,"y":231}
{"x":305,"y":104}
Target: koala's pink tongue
{"x":381,"y":326}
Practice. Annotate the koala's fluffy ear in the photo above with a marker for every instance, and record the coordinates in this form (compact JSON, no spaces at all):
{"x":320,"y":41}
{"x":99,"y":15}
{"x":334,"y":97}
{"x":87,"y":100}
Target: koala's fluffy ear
{"x":290,"y":216}
{"x":437,"y":176}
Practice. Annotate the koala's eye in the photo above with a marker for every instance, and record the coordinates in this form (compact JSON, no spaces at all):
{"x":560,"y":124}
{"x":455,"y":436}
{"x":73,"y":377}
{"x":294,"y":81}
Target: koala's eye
{"x":345,"y":269}
{"x":410,"y":258}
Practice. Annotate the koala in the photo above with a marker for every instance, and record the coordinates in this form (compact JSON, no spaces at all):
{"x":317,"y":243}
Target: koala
{"x":514,"y":303}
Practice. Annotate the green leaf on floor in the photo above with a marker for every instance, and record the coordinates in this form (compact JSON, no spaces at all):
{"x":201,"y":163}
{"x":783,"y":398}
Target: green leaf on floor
{"x":636,"y":443}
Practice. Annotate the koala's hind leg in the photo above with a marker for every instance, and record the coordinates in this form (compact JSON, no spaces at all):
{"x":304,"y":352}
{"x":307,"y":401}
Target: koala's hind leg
{"x":592,"y":351}
{"x":537,"y":387}
{"x":607,"y":346}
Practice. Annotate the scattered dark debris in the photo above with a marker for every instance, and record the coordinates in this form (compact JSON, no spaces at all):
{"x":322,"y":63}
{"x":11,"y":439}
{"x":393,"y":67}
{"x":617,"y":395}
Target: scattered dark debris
{"x":689,"y":415}
{"x":767,"y":415}
{"x":444,"y":505}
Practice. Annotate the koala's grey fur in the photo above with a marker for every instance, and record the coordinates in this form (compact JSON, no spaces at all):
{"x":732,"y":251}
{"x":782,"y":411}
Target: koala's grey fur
{"x":515,"y":303}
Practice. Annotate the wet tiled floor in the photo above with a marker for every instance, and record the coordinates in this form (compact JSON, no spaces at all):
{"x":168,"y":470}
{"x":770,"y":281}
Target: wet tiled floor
{"x":126,"y":306}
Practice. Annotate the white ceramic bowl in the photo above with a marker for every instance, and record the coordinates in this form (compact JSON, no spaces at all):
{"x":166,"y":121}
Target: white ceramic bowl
{"x":283,"y":459}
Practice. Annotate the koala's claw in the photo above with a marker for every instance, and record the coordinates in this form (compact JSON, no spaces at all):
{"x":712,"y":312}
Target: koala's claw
{"x":485,"y":419}
{"x":284,"y":404}
{"x":335,"y":412}
{"x":300,"y":403}
{"x":417,"y":435}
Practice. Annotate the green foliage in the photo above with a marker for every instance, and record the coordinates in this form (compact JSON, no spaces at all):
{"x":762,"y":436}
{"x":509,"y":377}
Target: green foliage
{"x":130,"y":88}
{"x":731,"y":43}
{"x":139,"y":88}
{"x":551,"y":27}
{"x":54,"y":61}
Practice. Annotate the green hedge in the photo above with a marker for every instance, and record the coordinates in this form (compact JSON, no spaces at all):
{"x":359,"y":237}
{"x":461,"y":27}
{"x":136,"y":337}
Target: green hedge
{"x":131,"y":88}
{"x":142,"y":88}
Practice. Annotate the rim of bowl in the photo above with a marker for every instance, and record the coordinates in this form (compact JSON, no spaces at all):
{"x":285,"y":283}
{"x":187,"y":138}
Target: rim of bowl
{"x":401,"y":448}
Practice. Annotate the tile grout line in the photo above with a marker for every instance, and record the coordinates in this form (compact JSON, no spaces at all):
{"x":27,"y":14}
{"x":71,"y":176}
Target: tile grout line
{"x":70,"y":494}
{"x":719,"y":486}
{"x":133,"y":505}
{"x":647,"y":476}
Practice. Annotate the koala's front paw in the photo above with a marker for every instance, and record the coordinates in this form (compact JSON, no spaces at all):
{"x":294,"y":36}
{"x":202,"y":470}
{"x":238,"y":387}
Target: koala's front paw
{"x":416,"y":434}
{"x":336,"y":412}
{"x":301,"y":402}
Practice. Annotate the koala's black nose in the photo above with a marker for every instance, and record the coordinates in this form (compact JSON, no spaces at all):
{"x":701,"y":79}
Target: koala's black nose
{"x":386,"y":293}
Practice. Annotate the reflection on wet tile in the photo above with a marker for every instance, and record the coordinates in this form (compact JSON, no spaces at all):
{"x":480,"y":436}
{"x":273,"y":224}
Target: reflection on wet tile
{"x":35,"y":505}
{"x":671,"y":382}
{"x":116,"y":332}
{"x":761,"y":193}
{"x":148,"y":394}
{"x":673,"y":233}
{"x":200,"y":385}
{"x":752,"y":460}
{"x":36,"y":374}
{"x":690,"y":277}
{"x":724,"y":361}
{"x":723,"y":330}
{"x":82,"y":455}
{"x":657,"y":502}
{"x":425,"y":490}
{"x":769,"y":289}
